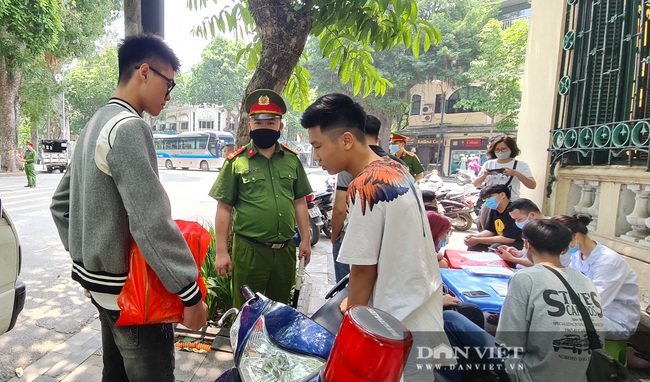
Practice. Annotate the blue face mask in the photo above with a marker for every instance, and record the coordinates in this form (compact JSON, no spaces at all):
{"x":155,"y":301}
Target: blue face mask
{"x":492,"y":203}
{"x":521,"y":225}
{"x":573,"y":249}
{"x":393,"y":149}
{"x":443,"y":243}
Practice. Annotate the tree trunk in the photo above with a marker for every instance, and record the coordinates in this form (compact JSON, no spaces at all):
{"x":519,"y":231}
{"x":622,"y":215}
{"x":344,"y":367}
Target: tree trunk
{"x":9,"y":92}
{"x":283,"y":33}
{"x":132,"y":18}
{"x":33,"y":134}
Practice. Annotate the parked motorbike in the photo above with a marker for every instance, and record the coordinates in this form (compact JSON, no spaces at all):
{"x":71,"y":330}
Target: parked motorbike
{"x":464,"y":177}
{"x":460,"y":207}
{"x":325,"y":204}
{"x":461,"y":213}
{"x":432,"y":182}
{"x":274,"y":342}
{"x":315,"y":219}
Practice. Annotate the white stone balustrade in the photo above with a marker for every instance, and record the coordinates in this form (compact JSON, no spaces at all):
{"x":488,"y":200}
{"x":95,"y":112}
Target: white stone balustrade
{"x":593,"y":210}
{"x":587,"y":191}
{"x":639,"y":218}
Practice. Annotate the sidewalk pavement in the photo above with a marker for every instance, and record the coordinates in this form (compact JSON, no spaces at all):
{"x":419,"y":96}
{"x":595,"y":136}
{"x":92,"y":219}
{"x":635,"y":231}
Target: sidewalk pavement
{"x":79,"y":358}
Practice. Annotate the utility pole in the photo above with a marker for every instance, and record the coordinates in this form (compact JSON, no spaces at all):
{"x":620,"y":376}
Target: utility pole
{"x":443,"y":104}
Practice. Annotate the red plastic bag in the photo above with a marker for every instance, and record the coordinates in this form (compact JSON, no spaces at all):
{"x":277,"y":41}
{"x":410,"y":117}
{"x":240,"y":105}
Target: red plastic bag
{"x":143,"y":299}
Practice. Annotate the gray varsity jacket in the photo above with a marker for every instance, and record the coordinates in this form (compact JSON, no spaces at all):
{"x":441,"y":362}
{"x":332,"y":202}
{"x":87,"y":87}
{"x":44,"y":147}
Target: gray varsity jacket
{"x":110,"y":194}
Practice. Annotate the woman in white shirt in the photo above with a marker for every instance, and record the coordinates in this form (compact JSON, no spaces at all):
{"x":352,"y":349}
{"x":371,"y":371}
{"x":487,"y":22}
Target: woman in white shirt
{"x":615,"y":281}
{"x":505,"y":169}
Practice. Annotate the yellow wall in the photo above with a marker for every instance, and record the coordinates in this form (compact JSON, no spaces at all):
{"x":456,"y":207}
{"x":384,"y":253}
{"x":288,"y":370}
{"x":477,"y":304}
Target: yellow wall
{"x":428,"y":92}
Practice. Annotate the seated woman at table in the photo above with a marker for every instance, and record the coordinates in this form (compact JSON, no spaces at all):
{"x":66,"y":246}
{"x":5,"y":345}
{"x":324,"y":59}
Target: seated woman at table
{"x":539,"y":319}
{"x":615,"y":281}
{"x":440,"y":230}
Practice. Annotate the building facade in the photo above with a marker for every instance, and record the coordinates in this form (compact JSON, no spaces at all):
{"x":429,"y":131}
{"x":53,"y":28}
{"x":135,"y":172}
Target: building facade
{"x":583,"y":127}
{"x":178,"y":119}
{"x":438,"y":129}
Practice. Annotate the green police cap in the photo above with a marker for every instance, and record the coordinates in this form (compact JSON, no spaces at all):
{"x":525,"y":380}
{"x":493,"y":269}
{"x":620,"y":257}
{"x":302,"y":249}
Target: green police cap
{"x":265,"y":104}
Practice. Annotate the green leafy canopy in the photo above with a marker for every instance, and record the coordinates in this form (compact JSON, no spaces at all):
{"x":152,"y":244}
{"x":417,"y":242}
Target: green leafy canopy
{"x":348,"y":31}
{"x":497,"y":72}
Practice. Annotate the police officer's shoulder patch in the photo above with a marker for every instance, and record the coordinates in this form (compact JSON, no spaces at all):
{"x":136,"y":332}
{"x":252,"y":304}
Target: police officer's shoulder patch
{"x":289,"y":150}
{"x":233,"y":154}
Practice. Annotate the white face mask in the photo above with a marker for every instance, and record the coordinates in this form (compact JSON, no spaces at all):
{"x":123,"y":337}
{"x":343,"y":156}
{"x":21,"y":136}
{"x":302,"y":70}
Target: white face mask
{"x":503,"y":154}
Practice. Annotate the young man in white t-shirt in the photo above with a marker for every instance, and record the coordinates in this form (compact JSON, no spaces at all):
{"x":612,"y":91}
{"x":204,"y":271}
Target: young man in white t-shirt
{"x":388,"y":241}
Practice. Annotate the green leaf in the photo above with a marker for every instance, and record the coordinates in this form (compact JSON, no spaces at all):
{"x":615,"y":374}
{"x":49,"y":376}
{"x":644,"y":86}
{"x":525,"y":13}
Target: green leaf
{"x":416,"y":44}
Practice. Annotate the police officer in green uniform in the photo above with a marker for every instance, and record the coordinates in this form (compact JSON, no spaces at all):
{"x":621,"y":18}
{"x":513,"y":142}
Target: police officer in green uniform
{"x":29,"y":157}
{"x":397,"y":144}
{"x":265,"y":184}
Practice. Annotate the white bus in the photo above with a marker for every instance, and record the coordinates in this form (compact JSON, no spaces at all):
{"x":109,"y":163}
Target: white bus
{"x":201,"y":149}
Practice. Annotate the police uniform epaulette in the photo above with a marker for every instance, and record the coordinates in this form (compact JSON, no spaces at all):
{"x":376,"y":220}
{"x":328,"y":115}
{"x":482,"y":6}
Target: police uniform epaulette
{"x":409,"y":153}
{"x":233,"y":154}
{"x":289,"y":150}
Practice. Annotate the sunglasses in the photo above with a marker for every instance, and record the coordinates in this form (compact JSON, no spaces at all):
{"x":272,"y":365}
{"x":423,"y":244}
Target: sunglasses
{"x":170,"y":83}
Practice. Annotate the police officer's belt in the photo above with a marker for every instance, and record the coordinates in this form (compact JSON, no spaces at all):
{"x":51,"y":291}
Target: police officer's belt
{"x":270,"y":245}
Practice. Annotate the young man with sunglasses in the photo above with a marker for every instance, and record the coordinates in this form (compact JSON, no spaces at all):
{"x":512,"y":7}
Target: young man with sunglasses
{"x":111,"y":195}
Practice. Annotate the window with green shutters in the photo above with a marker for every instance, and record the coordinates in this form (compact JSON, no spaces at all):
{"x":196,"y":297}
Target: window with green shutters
{"x":603,"y":105}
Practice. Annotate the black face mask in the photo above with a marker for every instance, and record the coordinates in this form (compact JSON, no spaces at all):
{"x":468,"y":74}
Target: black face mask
{"x":264,"y":138}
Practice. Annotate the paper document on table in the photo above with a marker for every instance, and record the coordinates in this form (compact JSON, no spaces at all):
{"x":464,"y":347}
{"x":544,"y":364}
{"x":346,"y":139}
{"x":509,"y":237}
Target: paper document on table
{"x":500,"y":288}
{"x":486,"y":270}
{"x":481,"y":256}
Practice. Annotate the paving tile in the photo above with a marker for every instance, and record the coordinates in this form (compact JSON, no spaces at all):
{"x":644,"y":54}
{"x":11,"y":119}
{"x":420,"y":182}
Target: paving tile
{"x":75,"y":358}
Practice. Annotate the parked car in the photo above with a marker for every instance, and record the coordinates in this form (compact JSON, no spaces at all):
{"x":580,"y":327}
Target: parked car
{"x":12,"y":291}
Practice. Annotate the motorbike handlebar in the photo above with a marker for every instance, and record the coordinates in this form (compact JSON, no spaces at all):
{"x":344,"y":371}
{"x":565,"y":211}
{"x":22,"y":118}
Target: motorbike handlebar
{"x":338,"y":287}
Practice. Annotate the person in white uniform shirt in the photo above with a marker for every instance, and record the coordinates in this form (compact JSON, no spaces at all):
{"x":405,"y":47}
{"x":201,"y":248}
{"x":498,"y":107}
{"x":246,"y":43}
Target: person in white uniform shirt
{"x":615,"y":281}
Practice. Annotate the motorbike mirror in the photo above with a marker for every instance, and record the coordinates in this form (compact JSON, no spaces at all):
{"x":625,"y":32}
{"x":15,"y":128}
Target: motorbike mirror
{"x":247,"y":292}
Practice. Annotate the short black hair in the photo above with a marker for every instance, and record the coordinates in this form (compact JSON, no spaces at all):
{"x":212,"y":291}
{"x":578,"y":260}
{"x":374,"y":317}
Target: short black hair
{"x":136,"y":50}
{"x":508,"y":140}
{"x":495,"y":189}
{"x":576,"y":223}
{"x":547,"y":236}
{"x":428,"y":196}
{"x":373,"y":125}
{"x":336,"y":112}
{"x":524,"y":205}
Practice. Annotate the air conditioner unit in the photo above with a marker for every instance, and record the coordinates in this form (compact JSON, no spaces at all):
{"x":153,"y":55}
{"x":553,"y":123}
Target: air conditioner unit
{"x":427,"y":109}
{"x":426,"y":118}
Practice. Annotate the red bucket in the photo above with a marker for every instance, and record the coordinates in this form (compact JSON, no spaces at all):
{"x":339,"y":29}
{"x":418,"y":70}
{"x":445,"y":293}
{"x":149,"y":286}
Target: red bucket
{"x":371,"y":345}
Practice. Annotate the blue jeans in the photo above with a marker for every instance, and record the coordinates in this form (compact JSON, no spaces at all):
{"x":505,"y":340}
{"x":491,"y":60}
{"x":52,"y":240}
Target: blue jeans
{"x":463,"y":333}
{"x":136,"y":353}
{"x":340,"y":270}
